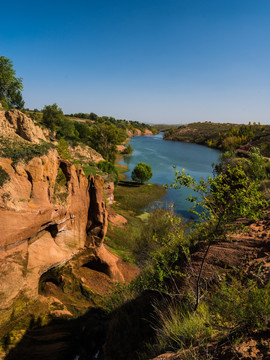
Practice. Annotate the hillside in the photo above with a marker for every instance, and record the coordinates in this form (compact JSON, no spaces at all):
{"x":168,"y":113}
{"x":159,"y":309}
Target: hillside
{"x":53,"y":221}
{"x":223,"y":136}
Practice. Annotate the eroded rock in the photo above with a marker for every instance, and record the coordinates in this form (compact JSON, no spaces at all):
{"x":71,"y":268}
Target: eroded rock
{"x":16,"y":124}
{"x":39,"y":229}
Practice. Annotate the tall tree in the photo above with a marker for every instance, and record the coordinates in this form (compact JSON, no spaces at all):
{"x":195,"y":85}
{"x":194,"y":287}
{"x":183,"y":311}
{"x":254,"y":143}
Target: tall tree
{"x":10,"y":85}
{"x":104,"y":138}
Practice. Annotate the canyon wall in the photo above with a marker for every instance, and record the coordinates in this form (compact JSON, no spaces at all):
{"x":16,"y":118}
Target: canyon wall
{"x":49,"y":212}
{"x":40,"y":225}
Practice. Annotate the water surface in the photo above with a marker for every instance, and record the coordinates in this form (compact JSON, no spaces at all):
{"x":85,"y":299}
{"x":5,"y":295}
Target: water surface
{"x":162,"y":155}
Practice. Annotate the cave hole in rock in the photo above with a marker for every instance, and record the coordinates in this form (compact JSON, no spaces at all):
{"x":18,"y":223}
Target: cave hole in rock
{"x":50,"y":276}
{"x":97,"y":265}
{"x":64,"y":166}
{"x":53,"y":230}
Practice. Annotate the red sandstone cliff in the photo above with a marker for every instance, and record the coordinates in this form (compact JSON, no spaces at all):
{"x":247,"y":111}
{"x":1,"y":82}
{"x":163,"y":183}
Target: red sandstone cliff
{"x":43,"y":223}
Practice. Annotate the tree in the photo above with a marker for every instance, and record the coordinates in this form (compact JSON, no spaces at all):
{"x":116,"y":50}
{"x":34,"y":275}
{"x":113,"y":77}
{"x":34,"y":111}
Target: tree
{"x":104,"y":138}
{"x":142,"y":172}
{"x":128,"y":150}
{"x":10,"y":86}
{"x":256,"y":164}
{"x":228,"y":196}
{"x":52,"y":116}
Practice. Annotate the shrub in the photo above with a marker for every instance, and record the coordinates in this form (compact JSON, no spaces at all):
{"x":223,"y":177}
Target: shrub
{"x":242,"y":305}
{"x":110,"y":169}
{"x":257,"y":169}
{"x":142,"y":172}
{"x":128,"y":150}
{"x":22,"y":151}
{"x":4,"y":177}
{"x":60,"y":178}
{"x":60,"y":188}
{"x":62,"y":149}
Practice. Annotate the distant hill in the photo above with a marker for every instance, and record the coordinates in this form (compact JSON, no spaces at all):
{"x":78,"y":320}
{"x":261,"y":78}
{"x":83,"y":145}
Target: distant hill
{"x":223,"y":136}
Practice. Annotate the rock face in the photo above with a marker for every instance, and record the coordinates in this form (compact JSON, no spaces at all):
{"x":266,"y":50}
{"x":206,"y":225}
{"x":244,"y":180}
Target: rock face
{"x":138,"y":132}
{"x":16,"y":124}
{"x":43,"y":224}
{"x":38,"y":227}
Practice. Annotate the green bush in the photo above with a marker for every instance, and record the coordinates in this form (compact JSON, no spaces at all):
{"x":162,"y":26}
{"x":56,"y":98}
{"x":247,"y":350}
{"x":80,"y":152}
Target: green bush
{"x":257,"y":166}
{"x":242,"y":305}
{"x":128,"y":150}
{"x":60,"y":178}
{"x":4,"y":177}
{"x":142,"y":173}
{"x":110,"y":169}
{"x":62,"y":149}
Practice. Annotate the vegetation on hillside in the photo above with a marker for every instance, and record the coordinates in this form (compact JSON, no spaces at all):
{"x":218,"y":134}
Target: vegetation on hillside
{"x":109,"y":169}
{"x":17,"y":151}
{"x":232,"y":307}
{"x":100,"y":133}
{"x":225,"y":137}
{"x":4,"y":177}
{"x":121,"y":123}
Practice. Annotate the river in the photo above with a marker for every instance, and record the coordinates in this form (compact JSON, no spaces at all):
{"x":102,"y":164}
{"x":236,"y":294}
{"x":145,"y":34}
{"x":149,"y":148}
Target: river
{"x":162,"y":155}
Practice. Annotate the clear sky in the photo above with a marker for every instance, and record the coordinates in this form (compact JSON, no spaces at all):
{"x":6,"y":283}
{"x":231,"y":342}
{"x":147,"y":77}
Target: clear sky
{"x":159,"y":61}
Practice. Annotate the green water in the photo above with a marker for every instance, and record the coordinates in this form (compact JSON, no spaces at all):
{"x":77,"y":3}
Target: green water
{"x":162,"y":156}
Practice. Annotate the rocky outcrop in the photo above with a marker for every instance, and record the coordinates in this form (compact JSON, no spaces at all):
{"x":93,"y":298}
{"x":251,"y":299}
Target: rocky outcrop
{"x":85,"y":153}
{"x":138,"y":132}
{"x":14,"y":123}
{"x":120,"y":148}
{"x":44,"y":223}
{"x":148,"y":132}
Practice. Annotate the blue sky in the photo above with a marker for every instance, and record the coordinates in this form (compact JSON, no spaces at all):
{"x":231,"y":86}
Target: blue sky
{"x":169,"y":61}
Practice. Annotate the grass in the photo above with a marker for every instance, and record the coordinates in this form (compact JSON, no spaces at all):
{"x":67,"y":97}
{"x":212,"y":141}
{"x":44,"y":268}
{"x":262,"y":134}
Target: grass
{"x":121,"y":244}
{"x":118,"y":249}
{"x":137,"y":198}
{"x":233,"y":307}
{"x":122,"y":169}
{"x":130,"y":202}
{"x":180,"y":327}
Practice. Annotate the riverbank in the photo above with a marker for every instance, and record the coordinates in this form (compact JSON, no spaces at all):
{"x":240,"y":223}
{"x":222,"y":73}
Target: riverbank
{"x":131,"y":200}
{"x":162,"y":156}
